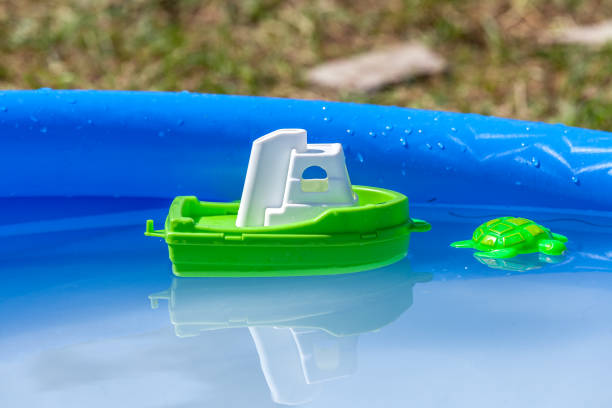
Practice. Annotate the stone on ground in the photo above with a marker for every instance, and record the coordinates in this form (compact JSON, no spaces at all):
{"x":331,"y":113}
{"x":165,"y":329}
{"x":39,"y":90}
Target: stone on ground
{"x":375,"y":69}
{"x":591,"y":35}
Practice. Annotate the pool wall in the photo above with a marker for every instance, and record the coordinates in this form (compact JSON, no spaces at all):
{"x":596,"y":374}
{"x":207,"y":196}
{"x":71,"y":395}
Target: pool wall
{"x":154,"y":144}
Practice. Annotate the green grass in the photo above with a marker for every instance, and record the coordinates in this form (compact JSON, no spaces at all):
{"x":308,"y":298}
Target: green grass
{"x":264,"y":47}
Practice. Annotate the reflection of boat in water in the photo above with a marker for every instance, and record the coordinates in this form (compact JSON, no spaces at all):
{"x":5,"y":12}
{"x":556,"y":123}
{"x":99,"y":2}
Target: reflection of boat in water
{"x":339,"y":304}
{"x":305,"y":329}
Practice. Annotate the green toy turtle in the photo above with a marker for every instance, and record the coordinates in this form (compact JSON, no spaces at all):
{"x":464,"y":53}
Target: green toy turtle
{"x":506,"y":237}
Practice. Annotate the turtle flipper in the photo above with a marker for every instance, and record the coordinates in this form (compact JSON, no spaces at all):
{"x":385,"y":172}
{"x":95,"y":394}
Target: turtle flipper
{"x":420,"y":225}
{"x":498,"y":253}
{"x":559,"y":237}
{"x":463,"y":244}
{"x":551,"y":247}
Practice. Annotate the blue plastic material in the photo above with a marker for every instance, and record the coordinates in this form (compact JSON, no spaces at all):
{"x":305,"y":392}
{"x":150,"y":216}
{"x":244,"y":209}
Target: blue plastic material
{"x":142,"y":144}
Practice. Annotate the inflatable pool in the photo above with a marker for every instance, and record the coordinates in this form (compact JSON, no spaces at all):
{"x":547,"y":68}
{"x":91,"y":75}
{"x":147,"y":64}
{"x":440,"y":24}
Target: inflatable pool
{"x":82,"y":170}
{"x":142,"y":144}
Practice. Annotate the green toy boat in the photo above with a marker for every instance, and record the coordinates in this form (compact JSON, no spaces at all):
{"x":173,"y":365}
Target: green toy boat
{"x":203,"y":239}
{"x":289,"y":225}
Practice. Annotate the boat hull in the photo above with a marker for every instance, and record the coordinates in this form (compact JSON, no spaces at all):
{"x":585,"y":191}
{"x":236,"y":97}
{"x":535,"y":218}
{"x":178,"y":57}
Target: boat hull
{"x":298,"y":259}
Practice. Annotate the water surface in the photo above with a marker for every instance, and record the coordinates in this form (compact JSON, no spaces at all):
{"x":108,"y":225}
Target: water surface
{"x":92,"y":316}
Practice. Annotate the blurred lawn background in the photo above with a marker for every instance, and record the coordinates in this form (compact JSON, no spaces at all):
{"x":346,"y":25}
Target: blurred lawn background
{"x":497,"y":63}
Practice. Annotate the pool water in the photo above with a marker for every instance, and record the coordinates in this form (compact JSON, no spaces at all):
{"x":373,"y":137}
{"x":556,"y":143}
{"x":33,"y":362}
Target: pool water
{"x":92,"y":316}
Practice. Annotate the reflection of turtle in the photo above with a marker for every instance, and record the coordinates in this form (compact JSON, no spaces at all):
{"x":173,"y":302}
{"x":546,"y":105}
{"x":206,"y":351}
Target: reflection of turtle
{"x":506,"y":237}
{"x":521,"y":263}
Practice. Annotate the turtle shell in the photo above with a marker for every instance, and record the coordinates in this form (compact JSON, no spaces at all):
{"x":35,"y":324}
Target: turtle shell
{"x":506,"y":232}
